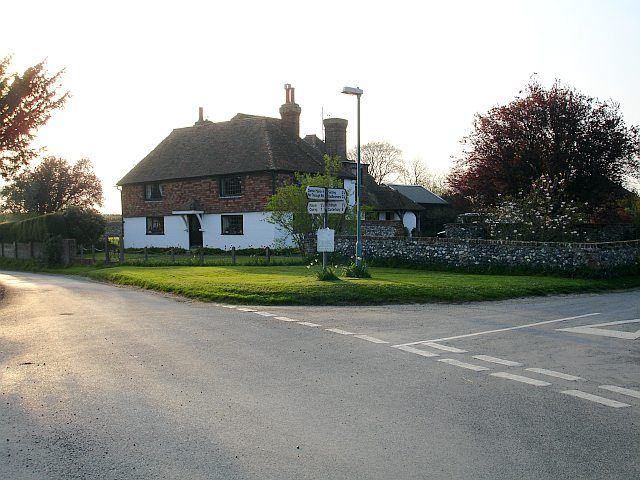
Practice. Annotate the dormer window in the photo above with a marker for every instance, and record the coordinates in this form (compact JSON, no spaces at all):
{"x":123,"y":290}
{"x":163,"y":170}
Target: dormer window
{"x":152,"y":191}
{"x":231,"y":186}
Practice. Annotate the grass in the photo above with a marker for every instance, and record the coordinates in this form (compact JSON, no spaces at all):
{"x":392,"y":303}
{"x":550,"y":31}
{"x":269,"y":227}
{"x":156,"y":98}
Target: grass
{"x":295,"y":285}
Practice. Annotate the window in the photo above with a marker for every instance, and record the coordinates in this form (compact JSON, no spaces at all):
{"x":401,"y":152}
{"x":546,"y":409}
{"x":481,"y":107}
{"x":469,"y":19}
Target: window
{"x":155,"y":225}
{"x":232,"y":225}
{"x":231,"y":186}
{"x":152,"y":191}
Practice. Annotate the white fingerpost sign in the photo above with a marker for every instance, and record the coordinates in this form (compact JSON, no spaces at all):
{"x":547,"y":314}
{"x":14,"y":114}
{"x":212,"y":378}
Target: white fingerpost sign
{"x":326,"y":240}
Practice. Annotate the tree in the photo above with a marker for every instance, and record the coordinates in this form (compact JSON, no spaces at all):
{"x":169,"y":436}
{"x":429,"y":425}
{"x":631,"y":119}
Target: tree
{"x":383,"y":159}
{"x":288,"y":206}
{"x":26,"y":103}
{"x":52,"y":186}
{"x":543,"y":214}
{"x":416,"y":172}
{"x":558,"y":132}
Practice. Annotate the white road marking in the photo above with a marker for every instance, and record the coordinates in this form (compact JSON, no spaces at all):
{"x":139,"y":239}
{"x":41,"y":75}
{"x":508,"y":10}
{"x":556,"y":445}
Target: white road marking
{"x":337,"y":330}
{"x":228,"y":306}
{"x":622,"y":390}
{"x":309,"y":324}
{"x":486,"y":332}
{"x":595,"y":398}
{"x":286,"y":319}
{"x":603,"y":332}
{"x":370,"y":339}
{"x":520,"y":378}
{"x":553,"y":373}
{"x":417,"y":351}
{"x":468,"y":366}
{"x":247,"y":310}
{"x":487,"y":358}
{"x":444,"y":347}
{"x":265,"y":314}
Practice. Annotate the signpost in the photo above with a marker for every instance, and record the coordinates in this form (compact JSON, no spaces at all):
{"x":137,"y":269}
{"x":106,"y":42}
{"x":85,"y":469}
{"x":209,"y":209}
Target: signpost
{"x":325,"y":201}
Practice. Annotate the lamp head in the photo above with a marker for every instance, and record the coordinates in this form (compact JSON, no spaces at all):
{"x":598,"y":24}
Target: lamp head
{"x":352,"y":91}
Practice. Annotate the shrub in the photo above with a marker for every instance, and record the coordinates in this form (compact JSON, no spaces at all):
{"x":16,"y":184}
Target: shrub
{"x":86,"y":226}
{"x":355,"y":271}
{"x":326,"y":275}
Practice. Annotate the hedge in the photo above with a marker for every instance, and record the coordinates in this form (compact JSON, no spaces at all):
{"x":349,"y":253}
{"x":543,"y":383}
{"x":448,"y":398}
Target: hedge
{"x":71,"y":223}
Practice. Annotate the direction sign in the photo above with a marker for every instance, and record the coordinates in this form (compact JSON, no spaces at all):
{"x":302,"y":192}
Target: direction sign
{"x":315,"y":208}
{"x":318,"y":208}
{"x":337,"y":194}
{"x":317,"y":193}
{"x":336,"y":206}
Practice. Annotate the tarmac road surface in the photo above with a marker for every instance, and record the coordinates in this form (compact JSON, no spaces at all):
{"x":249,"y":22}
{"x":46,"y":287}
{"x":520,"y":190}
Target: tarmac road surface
{"x":102,"y":382}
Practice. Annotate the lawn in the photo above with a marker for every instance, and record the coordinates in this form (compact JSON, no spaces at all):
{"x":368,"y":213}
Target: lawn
{"x":297,"y":285}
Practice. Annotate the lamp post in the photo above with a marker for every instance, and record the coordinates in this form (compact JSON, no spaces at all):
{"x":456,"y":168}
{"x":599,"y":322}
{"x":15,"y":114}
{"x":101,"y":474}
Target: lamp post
{"x":358,"y":93}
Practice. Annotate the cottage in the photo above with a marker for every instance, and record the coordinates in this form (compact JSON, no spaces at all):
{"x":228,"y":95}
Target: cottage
{"x":208,"y":184}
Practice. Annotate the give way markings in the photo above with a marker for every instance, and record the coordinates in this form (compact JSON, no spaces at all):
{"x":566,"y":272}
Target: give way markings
{"x":605,"y":332}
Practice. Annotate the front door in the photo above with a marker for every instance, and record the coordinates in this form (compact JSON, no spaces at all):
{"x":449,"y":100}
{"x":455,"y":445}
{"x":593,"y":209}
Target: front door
{"x":195,"y":234}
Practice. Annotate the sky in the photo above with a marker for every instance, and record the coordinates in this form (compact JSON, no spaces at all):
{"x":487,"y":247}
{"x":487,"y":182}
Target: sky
{"x":138,"y":69}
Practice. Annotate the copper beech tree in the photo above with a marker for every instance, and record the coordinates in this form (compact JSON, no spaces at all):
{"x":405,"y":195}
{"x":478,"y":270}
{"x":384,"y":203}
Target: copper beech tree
{"x":26,"y":103}
{"x":556,"y":132}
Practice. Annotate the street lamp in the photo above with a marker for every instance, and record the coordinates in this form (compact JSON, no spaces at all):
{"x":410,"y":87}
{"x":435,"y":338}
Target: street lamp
{"x":358,"y":93}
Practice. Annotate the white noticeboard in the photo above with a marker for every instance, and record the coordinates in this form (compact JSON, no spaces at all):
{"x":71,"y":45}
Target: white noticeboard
{"x":325,"y":240}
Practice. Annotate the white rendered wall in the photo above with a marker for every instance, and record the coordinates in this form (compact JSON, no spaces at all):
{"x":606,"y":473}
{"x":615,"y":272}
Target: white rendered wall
{"x":409,"y":220}
{"x":175,"y":233}
{"x":350,"y":187}
{"x":257,"y":232}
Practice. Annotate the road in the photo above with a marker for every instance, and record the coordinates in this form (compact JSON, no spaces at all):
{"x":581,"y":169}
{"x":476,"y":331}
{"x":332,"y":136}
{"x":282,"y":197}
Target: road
{"x":102,"y":382}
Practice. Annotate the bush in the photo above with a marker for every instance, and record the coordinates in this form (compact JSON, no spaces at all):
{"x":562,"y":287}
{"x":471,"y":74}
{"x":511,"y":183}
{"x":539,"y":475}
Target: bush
{"x":355,"y":271}
{"x":326,"y":275}
{"x":86,"y":226}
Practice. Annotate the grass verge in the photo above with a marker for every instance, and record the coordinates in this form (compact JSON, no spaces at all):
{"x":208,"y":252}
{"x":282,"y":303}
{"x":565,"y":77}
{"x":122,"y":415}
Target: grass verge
{"x":298,"y":286}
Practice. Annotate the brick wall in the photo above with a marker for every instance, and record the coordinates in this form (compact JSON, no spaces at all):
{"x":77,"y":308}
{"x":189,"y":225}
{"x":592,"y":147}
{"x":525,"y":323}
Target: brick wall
{"x":179,"y":194}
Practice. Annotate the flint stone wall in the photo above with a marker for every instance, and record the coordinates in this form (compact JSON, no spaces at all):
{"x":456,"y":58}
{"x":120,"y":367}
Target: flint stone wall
{"x":538,"y":256}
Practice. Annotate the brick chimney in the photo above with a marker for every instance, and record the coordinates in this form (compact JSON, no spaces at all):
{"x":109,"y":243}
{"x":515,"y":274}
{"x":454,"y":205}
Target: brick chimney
{"x":290,"y":113}
{"x":335,"y":133}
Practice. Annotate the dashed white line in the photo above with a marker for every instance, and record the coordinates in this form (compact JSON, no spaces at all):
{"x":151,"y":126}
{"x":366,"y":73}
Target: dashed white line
{"x":486,"y":332}
{"x":622,"y":390}
{"x":228,"y":306}
{"x":444,"y":347}
{"x":309,"y":324}
{"x":501,"y":361}
{"x":521,"y":379}
{"x":339,"y":331}
{"x":595,"y":398}
{"x":553,"y":373}
{"x":247,"y":310}
{"x":286,"y":319}
{"x":417,"y":351}
{"x":265,"y":314}
{"x":370,"y":339}
{"x":468,"y":366}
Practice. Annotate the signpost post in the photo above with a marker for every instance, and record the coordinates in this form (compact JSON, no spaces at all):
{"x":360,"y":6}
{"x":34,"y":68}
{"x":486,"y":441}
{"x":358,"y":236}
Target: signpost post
{"x":324,"y":201}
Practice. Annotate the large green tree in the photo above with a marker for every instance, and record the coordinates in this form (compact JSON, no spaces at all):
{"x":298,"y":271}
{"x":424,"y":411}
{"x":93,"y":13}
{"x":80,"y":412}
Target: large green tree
{"x":26,"y":103}
{"x":53,"y":185}
{"x":557,"y":132}
{"x":288,"y":206}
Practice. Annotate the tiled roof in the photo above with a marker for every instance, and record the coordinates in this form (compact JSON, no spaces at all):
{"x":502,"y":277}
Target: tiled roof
{"x":244,"y":144}
{"x":384,"y":198}
{"x":419,"y":194}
